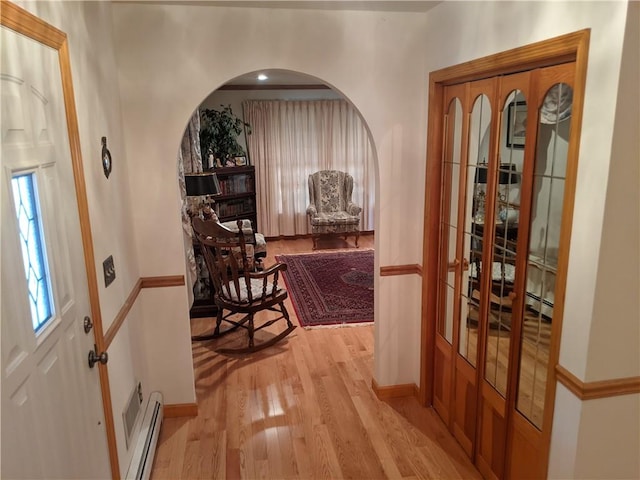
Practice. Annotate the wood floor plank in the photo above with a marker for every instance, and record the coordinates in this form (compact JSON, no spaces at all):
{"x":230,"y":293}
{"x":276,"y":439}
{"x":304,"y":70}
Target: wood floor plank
{"x":180,"y":442}
{"x":165,"y":448}
{"x":302,"y":457}
{"x":377,"y":439}
{"x":302,"y":409}
{"x":213,"y":452}
{"x":355,"y":453}
{"x":232,"y":463}
{"x":326,"y":463}
{"x":393,"y":433}
{"x":191,"y":460}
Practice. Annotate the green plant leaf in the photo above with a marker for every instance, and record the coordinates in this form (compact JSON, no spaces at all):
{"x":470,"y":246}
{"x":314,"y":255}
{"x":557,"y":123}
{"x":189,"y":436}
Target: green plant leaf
{"x":219,"y":131}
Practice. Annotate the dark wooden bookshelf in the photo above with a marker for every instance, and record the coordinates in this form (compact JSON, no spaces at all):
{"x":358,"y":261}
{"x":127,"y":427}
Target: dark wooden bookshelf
{"x":238,"y":198}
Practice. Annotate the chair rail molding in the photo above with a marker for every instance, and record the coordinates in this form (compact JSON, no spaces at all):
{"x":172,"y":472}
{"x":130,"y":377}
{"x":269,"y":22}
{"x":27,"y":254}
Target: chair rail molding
{"x":143,"y":282}
{"x":393,"y":270}
{"x":597,"y":389}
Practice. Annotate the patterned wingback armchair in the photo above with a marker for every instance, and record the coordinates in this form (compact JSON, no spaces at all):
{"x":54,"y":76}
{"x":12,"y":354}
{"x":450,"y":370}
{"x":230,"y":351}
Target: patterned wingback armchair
{"x":330,"y":209}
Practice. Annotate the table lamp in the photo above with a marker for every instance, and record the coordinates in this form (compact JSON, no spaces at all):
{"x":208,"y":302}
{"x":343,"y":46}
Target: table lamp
{"x":202,"y":185}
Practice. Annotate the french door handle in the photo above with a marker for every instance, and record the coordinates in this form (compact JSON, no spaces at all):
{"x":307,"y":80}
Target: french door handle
{"x":452,"y":265}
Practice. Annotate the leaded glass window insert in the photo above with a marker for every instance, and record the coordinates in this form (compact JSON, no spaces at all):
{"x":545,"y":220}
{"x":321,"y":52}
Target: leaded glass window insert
{"x":36,"y":271}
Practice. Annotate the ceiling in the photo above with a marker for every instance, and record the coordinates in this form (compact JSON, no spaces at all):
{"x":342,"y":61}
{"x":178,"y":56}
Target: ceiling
{"x":276,"y":77}
{"x":367,"y":5}
{"x":364,"y":5}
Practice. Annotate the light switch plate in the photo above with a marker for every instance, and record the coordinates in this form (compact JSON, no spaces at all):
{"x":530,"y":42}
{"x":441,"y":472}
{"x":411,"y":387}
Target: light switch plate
{"x":109,"y":271}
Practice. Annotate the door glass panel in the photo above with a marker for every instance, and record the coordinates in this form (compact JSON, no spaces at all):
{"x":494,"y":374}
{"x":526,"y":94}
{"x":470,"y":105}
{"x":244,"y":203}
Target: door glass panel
{"x":503,"y":262}
{"x":468,"y":343}
{"x":33,"y":249}
{"x":449,"y":217}
{"x":544,"y":241}
{"x":449,"y":274}
{"x":474,"y":211}
{"x":449,"y":292}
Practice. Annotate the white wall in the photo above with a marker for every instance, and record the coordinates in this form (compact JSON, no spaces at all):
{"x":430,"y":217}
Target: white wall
{"x":610,"y":428}
{"x":97,"y":102}
{"x":125,"y":371}
{"x":484,"y":28}
{"x":170,"y":57}
{"x":615,"y":338}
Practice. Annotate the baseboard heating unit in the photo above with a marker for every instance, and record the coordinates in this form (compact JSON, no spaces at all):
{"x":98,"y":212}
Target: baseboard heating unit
{"x":145,"y":448}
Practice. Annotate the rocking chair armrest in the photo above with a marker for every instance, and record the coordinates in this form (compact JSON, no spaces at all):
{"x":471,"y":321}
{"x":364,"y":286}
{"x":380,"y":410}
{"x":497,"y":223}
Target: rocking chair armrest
{"x":276,"y":267}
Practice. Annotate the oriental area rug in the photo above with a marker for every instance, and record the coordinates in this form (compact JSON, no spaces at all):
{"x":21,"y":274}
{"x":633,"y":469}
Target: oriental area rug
{"x":330,"y":289}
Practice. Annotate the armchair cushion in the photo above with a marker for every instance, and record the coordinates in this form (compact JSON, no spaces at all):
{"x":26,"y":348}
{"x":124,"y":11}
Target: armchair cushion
{"x":338,"y":218}
{"x":258,"y":247}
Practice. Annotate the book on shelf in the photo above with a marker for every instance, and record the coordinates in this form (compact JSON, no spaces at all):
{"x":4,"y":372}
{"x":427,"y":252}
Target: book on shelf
{"x":240,"y":183}
{"x":234,"y":208}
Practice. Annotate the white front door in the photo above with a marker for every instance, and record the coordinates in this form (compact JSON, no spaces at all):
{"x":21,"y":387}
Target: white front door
{"x":52,"y":417}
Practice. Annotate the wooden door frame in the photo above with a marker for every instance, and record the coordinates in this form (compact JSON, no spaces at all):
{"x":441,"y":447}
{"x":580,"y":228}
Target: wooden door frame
{"x":27,"y":24}
{"x":572,"y":47}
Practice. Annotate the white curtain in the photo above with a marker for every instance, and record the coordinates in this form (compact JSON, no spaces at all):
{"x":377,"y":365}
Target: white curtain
{"x":291,"y":140}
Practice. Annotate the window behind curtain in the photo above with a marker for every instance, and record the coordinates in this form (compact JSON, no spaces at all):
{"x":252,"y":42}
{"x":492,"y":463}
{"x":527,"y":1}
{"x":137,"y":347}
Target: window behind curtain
{"x":291,"y":140}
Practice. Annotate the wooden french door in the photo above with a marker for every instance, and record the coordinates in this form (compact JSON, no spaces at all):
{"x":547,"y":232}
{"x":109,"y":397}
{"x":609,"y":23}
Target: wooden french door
{"x":505,"y":144}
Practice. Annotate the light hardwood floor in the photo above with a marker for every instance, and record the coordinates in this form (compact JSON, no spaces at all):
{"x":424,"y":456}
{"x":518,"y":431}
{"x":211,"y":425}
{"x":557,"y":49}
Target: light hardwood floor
{"x":303,"y":408}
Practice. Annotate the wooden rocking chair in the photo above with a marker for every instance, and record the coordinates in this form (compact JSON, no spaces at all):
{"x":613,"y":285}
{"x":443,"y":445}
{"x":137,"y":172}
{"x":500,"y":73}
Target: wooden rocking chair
{"x":239,"y":289}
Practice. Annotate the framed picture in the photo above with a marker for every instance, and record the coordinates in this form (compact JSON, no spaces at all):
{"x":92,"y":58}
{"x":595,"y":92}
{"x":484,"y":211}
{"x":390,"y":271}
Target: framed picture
{"x":516,"y":124}
{"x":241,"y":161}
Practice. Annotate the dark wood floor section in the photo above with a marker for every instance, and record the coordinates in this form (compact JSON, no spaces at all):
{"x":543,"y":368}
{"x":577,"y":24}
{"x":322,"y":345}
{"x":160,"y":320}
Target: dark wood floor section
{"x":303,"y":408}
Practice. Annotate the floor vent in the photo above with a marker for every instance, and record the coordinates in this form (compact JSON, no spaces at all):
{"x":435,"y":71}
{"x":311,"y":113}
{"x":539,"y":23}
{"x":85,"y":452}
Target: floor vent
{"x":145,"y":449}
{"x":130,"y":414}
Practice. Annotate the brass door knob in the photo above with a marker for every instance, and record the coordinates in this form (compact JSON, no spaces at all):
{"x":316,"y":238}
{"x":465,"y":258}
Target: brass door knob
{"x":94,"y":357}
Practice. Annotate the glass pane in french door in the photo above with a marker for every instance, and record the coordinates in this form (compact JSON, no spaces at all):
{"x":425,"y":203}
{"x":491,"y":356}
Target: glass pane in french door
{"x":554,"y":122}
{"x":449,"y":218}
{"x":505,"y":219}
{"x":473,"y":227}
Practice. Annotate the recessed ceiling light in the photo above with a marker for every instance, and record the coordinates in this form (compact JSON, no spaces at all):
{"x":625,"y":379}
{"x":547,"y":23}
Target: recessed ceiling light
{"x":262,"y":77}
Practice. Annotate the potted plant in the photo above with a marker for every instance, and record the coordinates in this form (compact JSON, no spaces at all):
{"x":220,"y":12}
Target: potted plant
{"x":219,"y":130}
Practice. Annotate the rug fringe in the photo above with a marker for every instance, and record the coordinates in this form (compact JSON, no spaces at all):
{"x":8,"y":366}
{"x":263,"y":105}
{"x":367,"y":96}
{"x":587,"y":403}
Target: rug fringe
{"x":338,"y":325}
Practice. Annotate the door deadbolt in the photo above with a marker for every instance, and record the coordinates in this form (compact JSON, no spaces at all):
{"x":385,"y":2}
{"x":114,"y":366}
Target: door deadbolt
{"x":94,"y":358}
{"x":88,"y":324}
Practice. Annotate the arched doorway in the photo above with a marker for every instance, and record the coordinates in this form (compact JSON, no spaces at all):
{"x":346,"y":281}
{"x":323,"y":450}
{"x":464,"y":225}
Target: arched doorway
{"x":238,"y":387}
{"x":275,"y":202}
